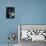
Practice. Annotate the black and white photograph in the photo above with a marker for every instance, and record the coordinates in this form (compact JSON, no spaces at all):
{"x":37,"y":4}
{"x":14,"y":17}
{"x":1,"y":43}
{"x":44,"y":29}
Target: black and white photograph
{"x":10,"y":12}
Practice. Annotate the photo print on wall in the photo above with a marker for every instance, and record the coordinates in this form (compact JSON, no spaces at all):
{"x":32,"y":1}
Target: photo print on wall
{"x":10,"y":12}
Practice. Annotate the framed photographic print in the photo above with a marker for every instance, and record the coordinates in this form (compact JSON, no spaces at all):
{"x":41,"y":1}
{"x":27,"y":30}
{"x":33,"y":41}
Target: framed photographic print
{"x":33,"y":32}
{"x":10,"y":12}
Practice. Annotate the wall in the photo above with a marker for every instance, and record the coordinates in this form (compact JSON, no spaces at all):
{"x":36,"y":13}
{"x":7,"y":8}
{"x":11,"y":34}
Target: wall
{"x":27,"y":12}
{"x":6,"y":25}
{"x":31,"y":11}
